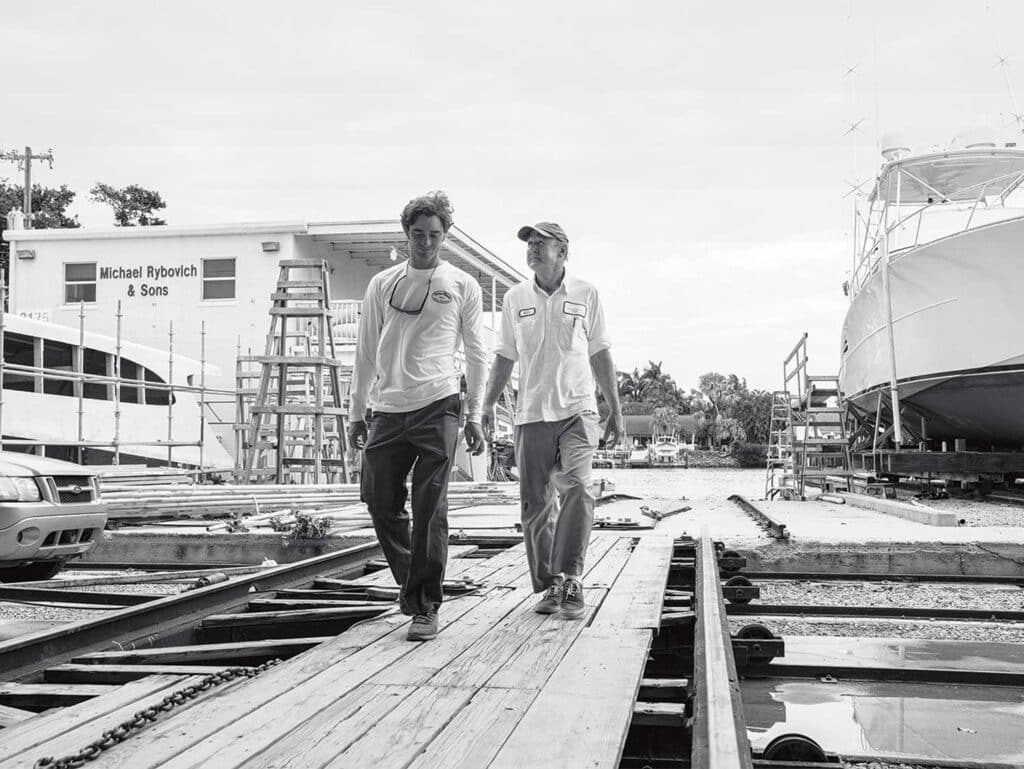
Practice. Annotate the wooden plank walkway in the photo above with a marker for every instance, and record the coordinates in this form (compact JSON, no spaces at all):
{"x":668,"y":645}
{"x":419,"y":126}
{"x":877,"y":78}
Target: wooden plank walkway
{"x":499,"y":687}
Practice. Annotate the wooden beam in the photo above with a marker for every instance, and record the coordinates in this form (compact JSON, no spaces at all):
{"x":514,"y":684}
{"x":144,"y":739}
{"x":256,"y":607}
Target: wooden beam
{"x":659,"y":714}
{"x":10,"y":716}
{"x":43,"y":696}
{"x":71,"y":673}
{"x":245,"y":651}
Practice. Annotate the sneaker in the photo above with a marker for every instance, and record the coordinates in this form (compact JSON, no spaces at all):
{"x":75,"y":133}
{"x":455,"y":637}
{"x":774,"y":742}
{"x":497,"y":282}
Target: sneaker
{"x":423,"y":627}
{"x":550,"y":602}
{"x":572,"y":599}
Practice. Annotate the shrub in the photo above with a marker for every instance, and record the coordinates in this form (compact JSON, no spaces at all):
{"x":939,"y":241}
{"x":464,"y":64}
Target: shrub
{"x":750,"y":454}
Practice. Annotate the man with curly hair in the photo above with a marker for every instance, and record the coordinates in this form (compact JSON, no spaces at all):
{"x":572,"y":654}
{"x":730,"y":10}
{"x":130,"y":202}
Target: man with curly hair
{"x":554,"y":327}
{"x":414,"y":317}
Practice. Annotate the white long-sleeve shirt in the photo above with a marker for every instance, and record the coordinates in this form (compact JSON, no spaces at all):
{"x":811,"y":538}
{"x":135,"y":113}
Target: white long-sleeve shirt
{"x":405,"y":362}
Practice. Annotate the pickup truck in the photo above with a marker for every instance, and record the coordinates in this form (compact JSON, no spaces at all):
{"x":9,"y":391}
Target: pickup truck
{"x":50,"y":512}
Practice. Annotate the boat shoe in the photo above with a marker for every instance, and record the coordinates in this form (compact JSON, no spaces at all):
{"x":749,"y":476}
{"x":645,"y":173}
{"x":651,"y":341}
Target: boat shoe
{"x":573,"y":606}
{"x":423,"y":627}
{"x":550,"y":602}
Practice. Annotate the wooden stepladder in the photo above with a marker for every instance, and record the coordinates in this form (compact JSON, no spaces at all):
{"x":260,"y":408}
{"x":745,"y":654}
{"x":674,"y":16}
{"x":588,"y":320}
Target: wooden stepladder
{"x":297,"y":419}
{"x":781,"y":478}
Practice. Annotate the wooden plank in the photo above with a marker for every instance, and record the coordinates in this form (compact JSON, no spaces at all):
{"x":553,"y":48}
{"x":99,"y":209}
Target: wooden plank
{"x":199,"y":653}
{"x":402,"y":734}
{"x":50,"y":595}
{"x":41,"y":696}
{"x":46,"y":727}
{"x":655,"y":689}
{"x":71,"y":673}
{"x":524,"y":648}
{"x":331,"y":731}
{"x":532,"y":664}
{"x":266,"y":618}
{"x":280,"y":700}
{"x":660,"y":714}
{"x":287,"y":604}
{"x":474,"y":736}
{"x":635,"y":599}
{"x":10,"y":716}
{"x":462,"y":637}
{"x":602,"y":670}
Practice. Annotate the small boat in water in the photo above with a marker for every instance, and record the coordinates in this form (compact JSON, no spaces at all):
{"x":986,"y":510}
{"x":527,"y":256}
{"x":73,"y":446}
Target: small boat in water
{"x":935,"y":295}
{"x":664,"y":452}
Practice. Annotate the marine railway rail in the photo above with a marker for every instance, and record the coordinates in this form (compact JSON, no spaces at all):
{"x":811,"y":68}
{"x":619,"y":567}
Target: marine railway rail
{"x":687,"y":708}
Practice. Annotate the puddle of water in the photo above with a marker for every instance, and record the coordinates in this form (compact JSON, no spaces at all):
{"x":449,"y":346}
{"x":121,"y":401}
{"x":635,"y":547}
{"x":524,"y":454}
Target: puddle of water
{"x":909,"y":653}
{"x":857,"y":717}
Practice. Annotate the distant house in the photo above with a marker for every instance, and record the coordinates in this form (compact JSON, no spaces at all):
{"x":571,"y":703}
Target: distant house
{"x":639,"y":429}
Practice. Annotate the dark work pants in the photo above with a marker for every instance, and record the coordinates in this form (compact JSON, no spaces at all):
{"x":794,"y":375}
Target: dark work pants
{"x":423,"y":441}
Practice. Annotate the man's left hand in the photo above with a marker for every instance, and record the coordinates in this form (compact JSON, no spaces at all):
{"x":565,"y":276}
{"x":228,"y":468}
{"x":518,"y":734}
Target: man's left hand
{"x":475,"y":438}
{"x":613,"y":430}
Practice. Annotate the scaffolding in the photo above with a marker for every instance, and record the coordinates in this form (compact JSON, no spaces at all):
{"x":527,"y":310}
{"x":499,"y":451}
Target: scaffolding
{"x":809,"y":444}
{"x":114,"y":382}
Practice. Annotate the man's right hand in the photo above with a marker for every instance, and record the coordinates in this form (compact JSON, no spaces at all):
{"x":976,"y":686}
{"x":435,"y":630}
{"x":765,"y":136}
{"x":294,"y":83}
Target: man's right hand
{"x":357,"y":435}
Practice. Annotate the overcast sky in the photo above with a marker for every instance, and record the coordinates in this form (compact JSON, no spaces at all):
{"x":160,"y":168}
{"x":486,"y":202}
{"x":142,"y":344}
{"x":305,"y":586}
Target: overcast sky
{"x":694,"y":152}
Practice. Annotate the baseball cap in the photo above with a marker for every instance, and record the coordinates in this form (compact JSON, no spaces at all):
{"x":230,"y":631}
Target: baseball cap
{"x":547,"y":229}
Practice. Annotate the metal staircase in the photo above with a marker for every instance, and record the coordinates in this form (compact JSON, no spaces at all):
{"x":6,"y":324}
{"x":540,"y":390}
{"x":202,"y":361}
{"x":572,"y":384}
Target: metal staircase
{"x":809,"y":444}
{"x":296,"y":421}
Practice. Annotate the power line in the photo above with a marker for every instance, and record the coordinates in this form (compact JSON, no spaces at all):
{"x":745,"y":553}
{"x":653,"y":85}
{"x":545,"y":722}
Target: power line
{"x":24,"y":161}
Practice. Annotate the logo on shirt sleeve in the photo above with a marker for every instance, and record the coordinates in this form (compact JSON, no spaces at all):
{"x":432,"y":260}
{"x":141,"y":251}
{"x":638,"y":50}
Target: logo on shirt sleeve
{"x":574,"y":308}
{"x":526,"y":313}
{"x":441,"y":296}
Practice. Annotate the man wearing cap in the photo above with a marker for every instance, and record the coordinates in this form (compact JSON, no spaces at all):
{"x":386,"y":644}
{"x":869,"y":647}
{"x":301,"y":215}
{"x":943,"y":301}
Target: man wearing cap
{"x":414,"y":317}
{"x":554,"y":327}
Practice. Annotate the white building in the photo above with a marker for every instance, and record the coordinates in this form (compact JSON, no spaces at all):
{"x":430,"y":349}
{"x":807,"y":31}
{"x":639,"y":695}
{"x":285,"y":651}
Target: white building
{"x":222,"y":275}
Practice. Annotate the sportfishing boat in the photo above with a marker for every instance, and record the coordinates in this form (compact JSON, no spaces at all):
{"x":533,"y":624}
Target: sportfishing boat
{"x":664,"y":452}
{"x":934,"y":313}
{"x":61,"y":395}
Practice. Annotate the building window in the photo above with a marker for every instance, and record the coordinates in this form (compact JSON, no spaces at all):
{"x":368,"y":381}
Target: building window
{"x":218,"y":279}
{"x":80,"y":282}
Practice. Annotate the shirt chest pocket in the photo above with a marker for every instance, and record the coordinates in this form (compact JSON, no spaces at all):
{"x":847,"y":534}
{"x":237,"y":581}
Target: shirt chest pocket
{"x":572,"y":328}
{"x":525,"y":326}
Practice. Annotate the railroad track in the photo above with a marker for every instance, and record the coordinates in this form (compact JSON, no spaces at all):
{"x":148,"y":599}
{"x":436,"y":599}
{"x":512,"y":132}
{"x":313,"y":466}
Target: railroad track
{"x":245,"y":620}
{"x":699,"y":669}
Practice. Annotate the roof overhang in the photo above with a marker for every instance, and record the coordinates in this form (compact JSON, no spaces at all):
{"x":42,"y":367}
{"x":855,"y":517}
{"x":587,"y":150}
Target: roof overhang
{"x":383,"y":241}
{"x":154,"y":231}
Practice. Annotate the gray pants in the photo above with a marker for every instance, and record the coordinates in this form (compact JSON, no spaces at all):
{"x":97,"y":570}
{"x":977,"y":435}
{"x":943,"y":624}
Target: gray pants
{"x":556,"y":456}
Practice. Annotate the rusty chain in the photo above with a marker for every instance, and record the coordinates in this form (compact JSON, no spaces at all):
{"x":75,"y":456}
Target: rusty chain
{"x":142,"y":718}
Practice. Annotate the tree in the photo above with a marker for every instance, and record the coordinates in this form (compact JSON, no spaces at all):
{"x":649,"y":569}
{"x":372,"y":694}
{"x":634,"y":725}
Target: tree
{"x":729,"y":430}
{"x":133,"y":205}
{"x":49,"y":209}
{"x":665,"y":421}
{"x":719,"y":390}
{"x":753,"y":411}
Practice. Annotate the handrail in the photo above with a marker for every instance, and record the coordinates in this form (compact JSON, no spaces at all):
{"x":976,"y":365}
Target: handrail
{"x":870,"y":253}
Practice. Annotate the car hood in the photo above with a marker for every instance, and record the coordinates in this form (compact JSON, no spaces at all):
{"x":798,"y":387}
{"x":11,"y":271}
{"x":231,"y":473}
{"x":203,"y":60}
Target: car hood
{"x":16,"y":463}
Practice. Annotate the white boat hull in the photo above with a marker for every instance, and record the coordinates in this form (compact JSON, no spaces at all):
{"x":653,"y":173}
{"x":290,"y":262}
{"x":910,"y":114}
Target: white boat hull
{"x":959,"y":335}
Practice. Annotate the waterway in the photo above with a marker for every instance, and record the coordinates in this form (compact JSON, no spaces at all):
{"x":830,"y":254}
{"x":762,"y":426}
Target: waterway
{"x":713,"y":484}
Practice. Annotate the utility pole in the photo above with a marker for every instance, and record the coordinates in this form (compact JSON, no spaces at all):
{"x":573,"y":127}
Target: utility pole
{"x":24,"y":162}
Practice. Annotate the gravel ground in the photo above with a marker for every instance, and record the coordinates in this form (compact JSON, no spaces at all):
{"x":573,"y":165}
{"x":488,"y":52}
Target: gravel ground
{"x":975,"y":513}
{"x":13,"y":610}
{"x":912,"y":594}
{"x":893,"y":628}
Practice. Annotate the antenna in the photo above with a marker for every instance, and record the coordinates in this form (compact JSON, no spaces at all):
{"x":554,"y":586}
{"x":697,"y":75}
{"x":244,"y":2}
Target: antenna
{"x":1003,"y":62}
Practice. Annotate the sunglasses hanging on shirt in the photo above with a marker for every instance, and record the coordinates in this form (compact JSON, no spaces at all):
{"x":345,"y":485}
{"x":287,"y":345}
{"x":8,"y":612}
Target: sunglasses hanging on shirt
{"x":426,"y":293}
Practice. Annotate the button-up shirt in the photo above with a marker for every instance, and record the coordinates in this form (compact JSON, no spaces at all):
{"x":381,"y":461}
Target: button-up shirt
{"x":552,"y":337}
